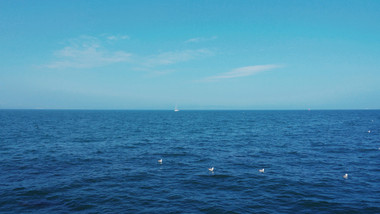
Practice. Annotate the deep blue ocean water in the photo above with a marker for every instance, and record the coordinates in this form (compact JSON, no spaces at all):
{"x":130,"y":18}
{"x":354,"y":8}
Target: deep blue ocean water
{"x":58,"y":161}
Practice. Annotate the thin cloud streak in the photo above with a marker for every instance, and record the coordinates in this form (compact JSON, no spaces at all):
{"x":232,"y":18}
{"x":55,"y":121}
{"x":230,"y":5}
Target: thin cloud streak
{"x":200,"y":39}
{"x":118,"y":37}
{"x":89,"y":52}
{"x":242,"y":72}
{"x":89,"y":57}
{"x":86,"y":52}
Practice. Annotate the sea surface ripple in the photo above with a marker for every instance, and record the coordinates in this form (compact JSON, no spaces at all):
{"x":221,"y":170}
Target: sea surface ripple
{"x":64,"y":161}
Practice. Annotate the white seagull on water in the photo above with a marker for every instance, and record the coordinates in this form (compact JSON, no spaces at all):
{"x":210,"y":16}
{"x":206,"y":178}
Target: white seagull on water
{"x":160,"y":161}
{"x":211,"y":169}
{"x":261,"y":170}
{"x":345,"y":176}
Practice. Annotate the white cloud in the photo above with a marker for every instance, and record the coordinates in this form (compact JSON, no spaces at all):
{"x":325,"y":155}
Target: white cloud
{"x":242,"y":72}
{"x":173,"y":57}
{"x":86,"y":52}
{"x":118,"y":37}
{"x":200,"y":39}
{"x":90,"y":52}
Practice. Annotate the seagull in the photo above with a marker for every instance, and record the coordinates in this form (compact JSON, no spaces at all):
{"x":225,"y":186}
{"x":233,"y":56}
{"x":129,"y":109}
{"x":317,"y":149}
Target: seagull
{"x":160,"y":161}
{"x":211,"y":169}
{"x":345,"y":176}
{"x":369,"y":131}
{"x":261,"y":170}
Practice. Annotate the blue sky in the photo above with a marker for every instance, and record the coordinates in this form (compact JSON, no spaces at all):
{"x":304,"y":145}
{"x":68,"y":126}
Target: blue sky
{"x":196,"y":54}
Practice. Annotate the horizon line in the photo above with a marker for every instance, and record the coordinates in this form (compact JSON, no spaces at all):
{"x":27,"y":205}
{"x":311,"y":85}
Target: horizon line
{"x":211,"y":109}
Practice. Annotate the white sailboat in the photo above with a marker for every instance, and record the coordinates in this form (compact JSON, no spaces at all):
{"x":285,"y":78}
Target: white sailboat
{"x":176,"y":108}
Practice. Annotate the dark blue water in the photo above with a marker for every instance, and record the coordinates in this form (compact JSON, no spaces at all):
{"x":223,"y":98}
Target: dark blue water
{"x":106,"y":161}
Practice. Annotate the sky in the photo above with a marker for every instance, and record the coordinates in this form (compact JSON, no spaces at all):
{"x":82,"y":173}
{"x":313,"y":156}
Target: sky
{"x":197,"y":54}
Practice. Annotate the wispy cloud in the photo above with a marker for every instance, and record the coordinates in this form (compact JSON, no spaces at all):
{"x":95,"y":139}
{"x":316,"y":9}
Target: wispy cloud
{"x":89,"y":52}
{"x":172,"y":57}
{"x":86,"y":52}
{"x":117,"y":37}
{"x":242,"y":72}
{"x":200,"y":39}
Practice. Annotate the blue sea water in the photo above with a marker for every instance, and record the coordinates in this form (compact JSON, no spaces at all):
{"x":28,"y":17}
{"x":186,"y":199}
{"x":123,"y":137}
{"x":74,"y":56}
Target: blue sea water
{"x":65,"y":161}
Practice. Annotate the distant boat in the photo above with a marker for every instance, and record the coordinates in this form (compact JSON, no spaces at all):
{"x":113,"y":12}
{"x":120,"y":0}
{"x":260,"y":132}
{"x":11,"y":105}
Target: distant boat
{"x":176,"y":108}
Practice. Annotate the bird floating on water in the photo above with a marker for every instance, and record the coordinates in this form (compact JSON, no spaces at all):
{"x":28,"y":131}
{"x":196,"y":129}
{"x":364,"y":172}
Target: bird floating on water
{"x":345,"y":176}
{"x":369,"y":131}
{"x":160,"y":161}
{"x":261,"y":170}
{"x":211,"y":169}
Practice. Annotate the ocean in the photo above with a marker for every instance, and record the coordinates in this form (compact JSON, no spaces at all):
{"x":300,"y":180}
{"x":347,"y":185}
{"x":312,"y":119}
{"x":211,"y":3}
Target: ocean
{"x":95,"y":161}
